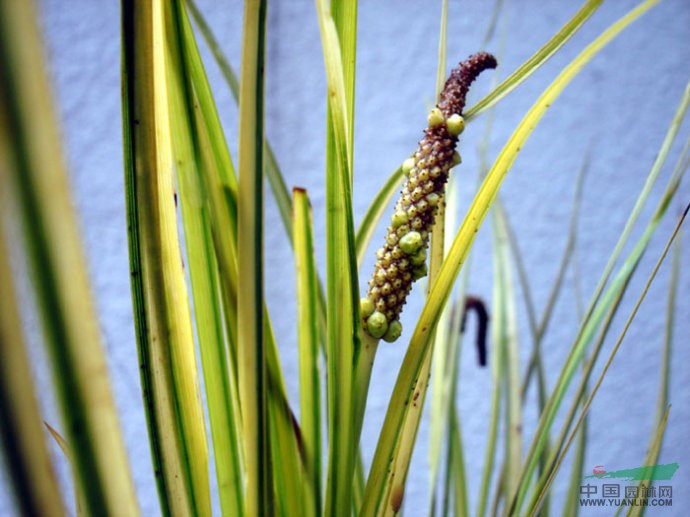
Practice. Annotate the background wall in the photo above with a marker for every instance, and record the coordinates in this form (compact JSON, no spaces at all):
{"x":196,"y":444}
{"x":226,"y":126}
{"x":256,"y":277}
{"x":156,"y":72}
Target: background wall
{"x":619,"y":108}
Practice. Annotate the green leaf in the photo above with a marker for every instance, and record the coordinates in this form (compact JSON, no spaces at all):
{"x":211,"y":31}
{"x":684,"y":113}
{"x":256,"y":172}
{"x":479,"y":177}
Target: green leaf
{"x":373,"y":214}
{"x":219,"y":382}
{"x":663,"y":407}
{"x":497,"y":368}
{"x":33,"y":171}
{"x":456,"y":466}
{"x":308,"y":347}
{"x":563,"y":444}
{"x":287,"y":471}
{"x":445,"y":366}
{"x":602,"y":307}
{"x":651,"y":459}
{"x":540,"y":57}
{"x":26,"y":452}
{"x":251,"y":361}
{"x":668,"y":331}
{"x":64,"y":447}
{"x":218,"y":180}
{"x":271,"y":167}
{"x":341,"y":268}
{"x":162,"y":314}
{"x":504,"y":326}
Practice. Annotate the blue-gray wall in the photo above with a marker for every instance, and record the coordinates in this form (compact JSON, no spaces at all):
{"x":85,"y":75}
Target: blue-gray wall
{"x":619,"y":107}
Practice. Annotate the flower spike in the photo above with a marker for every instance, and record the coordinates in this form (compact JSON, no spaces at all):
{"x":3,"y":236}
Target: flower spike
{"x":402,"y":259}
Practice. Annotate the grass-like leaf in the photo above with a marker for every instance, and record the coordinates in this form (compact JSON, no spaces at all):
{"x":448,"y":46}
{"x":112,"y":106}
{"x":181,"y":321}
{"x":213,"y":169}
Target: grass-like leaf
{"x":665,"y":377}
{"x":571,"y":506}
{"x":33,"y":171}
{"x":341,"y":271}
{"x":445,"y":365}
{"x":271,"y":166}
{"x":26,"y":453}
{"x":373,"y":214}
{"x":650,"y":460}
{"x":536,"y":60}
{"x":608,"y":306}
{"x":504,"y":326}
{"x":663,"y":407}
{"x":538,"y":327}
{"x":219,"y":380}
{"x":162,"y":315}
{"x":308,"y":346}
{"x":64,"y":447}
{"x":592,"y":321}
{"x":286,"y":467}
{"x":217,"y":179}
{"x":497,"y":369}
{"x":250,"y":316}
{"x":221,"y":199}
{"x":456,"y":467}
{"x":544,"y":484}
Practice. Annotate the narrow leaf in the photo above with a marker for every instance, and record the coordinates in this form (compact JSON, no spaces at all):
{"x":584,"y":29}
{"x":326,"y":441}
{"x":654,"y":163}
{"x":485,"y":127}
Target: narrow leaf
{"x":545,"y":483}
{"x":24,"y":446}
{"x":251,"y":344}
{"x":308,"y":346}
{"x":530,"y":66}
{"x":33,"y":170}
{"x":162,"y":315}
{"x":341,"y":272}
{"x":203,"y":269}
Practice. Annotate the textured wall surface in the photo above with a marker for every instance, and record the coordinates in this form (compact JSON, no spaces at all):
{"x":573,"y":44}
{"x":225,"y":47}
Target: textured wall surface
{"x":618,"y":108}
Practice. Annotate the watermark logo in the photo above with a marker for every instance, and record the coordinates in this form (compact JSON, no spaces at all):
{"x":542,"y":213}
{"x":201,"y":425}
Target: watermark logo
{"x":643,"y":493}
{"x":649,"y":473}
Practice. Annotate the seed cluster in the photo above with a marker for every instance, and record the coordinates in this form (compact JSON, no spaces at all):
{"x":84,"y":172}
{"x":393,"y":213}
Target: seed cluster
{"x":402,"y":259}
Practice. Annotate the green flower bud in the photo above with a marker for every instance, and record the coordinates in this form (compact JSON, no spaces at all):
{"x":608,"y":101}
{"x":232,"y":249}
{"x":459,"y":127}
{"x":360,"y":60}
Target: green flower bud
{"x":418,"y":258}
{"x":457,"y":160}
{"x":366,"y":307}
{"x":407,"y":166}
{"x":399,"y":218}
{"x":411,"y":243}
{"x":433,"y":199}
{"x":393,"y":332}
{"x":377,"y":324}
{"x":419,"y":272}
{"x":435,"y":118}
{"x":455,"y":124}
